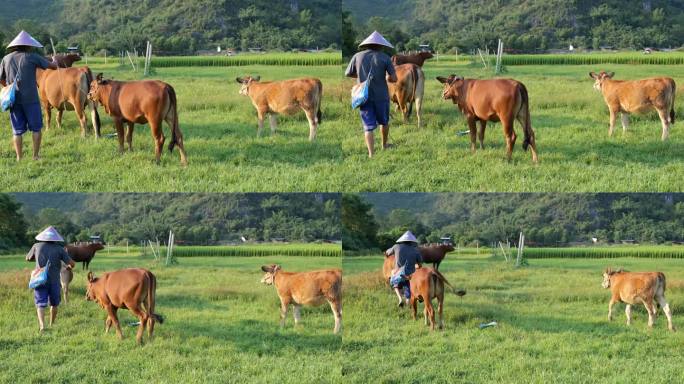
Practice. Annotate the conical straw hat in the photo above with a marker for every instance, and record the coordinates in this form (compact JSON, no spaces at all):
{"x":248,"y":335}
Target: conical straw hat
{"x":406,"y":237}
{"x":376,"y":38}
{"x":49,"y":234}
{"x":23,"y":38}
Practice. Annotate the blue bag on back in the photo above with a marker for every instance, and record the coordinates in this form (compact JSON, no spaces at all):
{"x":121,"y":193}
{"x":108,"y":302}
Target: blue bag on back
{"x":8,"y":95}
{"x":39,"y":276}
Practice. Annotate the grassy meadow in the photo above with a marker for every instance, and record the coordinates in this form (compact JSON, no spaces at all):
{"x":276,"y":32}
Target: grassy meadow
{"x":219,"y":128}
{"x":552,"y":326}
{"x":570,"y":120}
{"x":221,"y":326}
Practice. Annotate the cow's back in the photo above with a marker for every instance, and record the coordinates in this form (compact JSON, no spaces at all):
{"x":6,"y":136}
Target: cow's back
{"x":632,"y":286}
{"x":288,"y":96}
{"x":314,"y":287}
{"x":134,"y":99}
{"x":126,"y":285}
{"x":640,"y":95}
{"x":66,"y":84}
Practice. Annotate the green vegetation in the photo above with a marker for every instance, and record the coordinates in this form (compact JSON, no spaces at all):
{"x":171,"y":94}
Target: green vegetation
{"x":221,"y":327}
{"x":642,"y":251}
{"x":570,"y":120}
{"x":547,"y":332}
{"x":175,"y":26}
{"x":523,"y":25}
{"x":281,"y":59}
{"x":219,"y":129}
{"x":260,"y":250}
{"x":632,"y":58}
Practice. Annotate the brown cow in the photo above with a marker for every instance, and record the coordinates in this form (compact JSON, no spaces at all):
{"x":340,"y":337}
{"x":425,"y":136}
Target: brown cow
{"x":83,"y":253}
{"x":306,"y":288}
{"x":148,"y":101}
{"x":427,"y":284}
{"x":132,"y":289}
{"x":408,"y":89}
{"x":67,"y":89}
{"x":65,"y":61}
{"x":416,"y":58}
{"x":637,"y":96}
{"x":66,"y":275}
{"x":502,"y":100}
{"x":286,"y":97}
{"x":634,"y":288}
{"x":435,"y":253}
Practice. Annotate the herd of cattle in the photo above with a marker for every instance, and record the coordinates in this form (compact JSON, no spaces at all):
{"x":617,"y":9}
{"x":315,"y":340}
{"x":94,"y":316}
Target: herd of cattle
{"x":631,"y":288}
{"x":480,"y":101}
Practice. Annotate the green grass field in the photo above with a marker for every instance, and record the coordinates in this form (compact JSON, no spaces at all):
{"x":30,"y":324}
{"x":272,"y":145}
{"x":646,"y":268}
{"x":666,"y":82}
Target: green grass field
{"x":221,"y":325}
{"x":552,"y":326}
{"x":219,"y":128}
{"x":569,"y":117}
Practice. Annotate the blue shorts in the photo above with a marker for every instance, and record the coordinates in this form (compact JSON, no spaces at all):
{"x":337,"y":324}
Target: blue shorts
{"x":26,"y":117}
{"x":374,"y":113}
{"x":401,"y":282}
{"x":48,"y":293}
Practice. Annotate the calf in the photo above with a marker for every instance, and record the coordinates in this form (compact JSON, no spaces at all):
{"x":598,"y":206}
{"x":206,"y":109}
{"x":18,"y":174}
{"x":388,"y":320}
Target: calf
{"x":637,"y":96}
{"x":427,"y":284}
{"x":66,"y":275}
{"x":133,"y":289}
{"x":286,"y":97}
{"x":408,"y":89}
{"x":435,"y":253}
{"x":83,"y":253}
{"x":306,"y":288}
{"x":634,"y":288}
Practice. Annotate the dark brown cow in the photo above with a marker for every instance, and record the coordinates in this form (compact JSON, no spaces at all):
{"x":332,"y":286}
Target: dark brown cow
{"x":416,"y":58}
{"x":435,"y":253}
{"x":83,"y":253}
{"x":133,"y":289}
{"x":408,"y":89}
{"x":148,"y":101}
{"x":67,"y":89}
{"x":65,"y":61}
{"x":502,"y":100}
{"x":637,"y":96}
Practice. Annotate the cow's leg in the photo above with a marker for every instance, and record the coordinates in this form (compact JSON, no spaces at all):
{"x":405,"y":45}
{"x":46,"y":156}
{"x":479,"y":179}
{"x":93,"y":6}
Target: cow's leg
{"x":129,"y":137}
{"x":419,"y":111}
{"x":624,"y":118}
{"x":111,"y":311}
{"x":440,"y":307}
{"x":118,"y":124}
{"x":108,"y":324}
{"x":473,"y":133}
{"x":313,"y":125}
{"x":628,"y":313}
{"x":60,"y":114}
{"x":297,"y":313}
{"x":81,"y":119}
{"x":273,"y":121}
{"x":336,"y":306}
{"x":613,"y":117}
{"x":665,"y":121}
{"x":142,"y":317}
{"x":666,"y":308}
{"x":610,"y":308}
{"x":284,"y":304}
{"x":430,"y":312}
{"x":158,"y":137}
{"x":48,"y":116}
{"x":481,"y":133}
{"x":414,"y":306}
{"x":650,"y":309}
{"x":260,"y":120}
{"x":510,"y":136}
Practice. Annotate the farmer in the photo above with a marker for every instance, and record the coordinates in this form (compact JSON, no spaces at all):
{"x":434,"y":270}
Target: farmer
{"x":406,"y":256}
{"x":49,"y":248}
{"x":373,"y":63}
{"x":20,"y":65}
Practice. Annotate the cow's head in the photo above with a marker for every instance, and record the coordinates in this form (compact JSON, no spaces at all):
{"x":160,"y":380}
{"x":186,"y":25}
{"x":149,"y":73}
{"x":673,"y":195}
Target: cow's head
{"x":452,"y":86}
{"x":448,"y":247}
{"x":600,"y":78}
{"x":98,"y":246}
{"x":426,"y":55}
{"x":246,"y":82}
{"x":90,"y":291}
{"x":95,"y":87}
{"x":269,"y":276}
{"x":607,"y":274}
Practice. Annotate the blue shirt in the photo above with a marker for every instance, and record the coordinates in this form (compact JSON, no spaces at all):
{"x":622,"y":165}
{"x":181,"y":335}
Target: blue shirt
{"x":44,"y":251}
{"x":372,"y":63}
{"x":23,"y":64}
{"x":405,"y":256}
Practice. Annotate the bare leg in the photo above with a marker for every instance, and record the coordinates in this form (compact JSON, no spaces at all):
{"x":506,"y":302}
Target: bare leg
{"x":53,"y":315}
{"x":628,"y":313}
{"x":37,"y":137}
{"x":41,"y":318}
{"x":18,"y":147}
{"x":370,"y":142}
{"x":399,"y":295}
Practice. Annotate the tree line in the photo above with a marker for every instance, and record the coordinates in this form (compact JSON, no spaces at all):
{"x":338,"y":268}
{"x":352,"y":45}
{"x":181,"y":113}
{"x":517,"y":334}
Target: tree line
{"x":523,"y":25}
{"x":175,"y":26}
{"x":375,"y":221}
{"x":199,"y":219}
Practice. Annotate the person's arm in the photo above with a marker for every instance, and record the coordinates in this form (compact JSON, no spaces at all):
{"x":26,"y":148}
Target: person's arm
{"x":389,"y":251}
{"x":391,"y":73}
{"x":42,"y":62}
{"x":31,"y":255}
{"x":419,"y":260}
{"x":67,"y":259}
{"x":3,"y":74}
{"x":351,"y":69}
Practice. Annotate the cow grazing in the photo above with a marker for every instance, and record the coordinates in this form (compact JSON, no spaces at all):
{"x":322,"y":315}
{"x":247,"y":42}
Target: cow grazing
{"x":141,"y":102}
{"x":502,"y":100}
{"x":435,"y":253}
{"x":133,"y":289}
{"x":83,"y":253}
{"x":637,"y":287}
{"x":66,"y":275}
{"x":408,"y":89}
{"x":284,"y":97}
{"x":416,"y":58}
{"x":427,"y":284}
{"x":67,"y":89}
{"x":306,"y":288}
{"x":637,"y":96}
{"x":65,"y":60}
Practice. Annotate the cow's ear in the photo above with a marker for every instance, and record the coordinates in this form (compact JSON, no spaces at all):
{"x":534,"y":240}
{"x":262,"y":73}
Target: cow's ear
{"x":91,"y":277}
{"x":442,"y":79}
{"x":276,"y":267}
{"x":99,"y":78}
{"x":239,"y":80}
{"x":610,"y":75}
{"x":267,"y":268}
{"x":592,"y":75}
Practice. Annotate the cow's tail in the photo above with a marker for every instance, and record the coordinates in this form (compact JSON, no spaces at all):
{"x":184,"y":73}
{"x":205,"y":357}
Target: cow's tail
{"x":319,"y":114}
{"x":173,"y":108}
{"x":416,"y":79}
{"x":661,"y":280}
{"x":151,"y":299}
{"x":441,"y":277}
{"x":672,"y":102}
{"x":93,"y":105}
{"x":525,"y":106}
